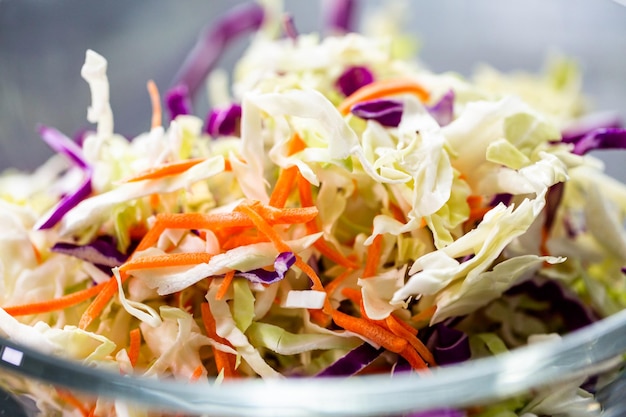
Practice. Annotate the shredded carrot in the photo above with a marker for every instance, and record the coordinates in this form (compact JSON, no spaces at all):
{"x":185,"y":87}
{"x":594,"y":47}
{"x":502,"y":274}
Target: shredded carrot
{"x":168,"y":260}
{"x":543,"y":244}
{"x":197,"y":373}
{"x":284,"y":185}
{"x":242,"y":239}
{"x":352,"y":294}
{"x":413,"y":358}
{"x":370,"y":331}
{"x":155,"y":200}
{"x":134,"y":345}
{"x":108,"y":290}
{"x":320,"y":317}
{"x":60,"y":303}
{"x":322,"y":245}
{"x":217,"y":221}
{"x":383,"y":88}
{"x":69,"y":398}
{"x":373,"y":257}
{"x":223,"y":288}
{"x":37,"y":253}
{"x":397,"y":212}
{"x":155,"y":100}
{"x":224,"y":362}
{"x":92,"y":411}
{"x":425,"y":315}
{"x":165,"y":170}
{"x":296,"y":144}
{"x":332,"y":286}
{"x":266,"y":228}
{"x":287,"y":177}
{"x":396,"y":326}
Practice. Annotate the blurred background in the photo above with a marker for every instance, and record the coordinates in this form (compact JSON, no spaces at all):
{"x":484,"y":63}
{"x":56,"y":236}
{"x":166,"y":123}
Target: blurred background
{"x":43,"y":44}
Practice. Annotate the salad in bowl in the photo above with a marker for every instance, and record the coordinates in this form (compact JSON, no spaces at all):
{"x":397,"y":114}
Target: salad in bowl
{"x":341,"y":211}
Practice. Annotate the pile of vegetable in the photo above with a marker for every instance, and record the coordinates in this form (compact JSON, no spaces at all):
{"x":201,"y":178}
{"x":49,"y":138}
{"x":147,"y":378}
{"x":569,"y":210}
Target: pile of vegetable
{"x":340,"y":211}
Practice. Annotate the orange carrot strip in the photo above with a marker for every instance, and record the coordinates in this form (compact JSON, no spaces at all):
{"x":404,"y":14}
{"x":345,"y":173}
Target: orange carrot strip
{"x":134,"y":345}
{"x":197,"y":373}
{"x":320,"y":317}
{"x":242,"y":239}
{"x":306,"y":199}
{"x":373,"y":257}
{"x":69,"y":398}
{"x":223,"y":361}
{"x":296,"y":144}
{"x":284,"y":185}
{"x":108,"y":290}
{"x":332,"y":286}
{"x":162,"y":261}
{"x":155,"y":100}
{"x":266,"y":228}
{"x":370,"y":331}
{"x":383,"y":88}
{"x":165,"y":170}
{"x":304,"y":189}
{"x":219,"y":221}
{"x":55,"y":304}
{"x":413,"y":358}
{"x":223,"y":288}
{"x":92,"y":411}
{"x":287,"y":177}
{"x":426,"y":314}
{"x":352,"y":294}
{"x":399,"y":330}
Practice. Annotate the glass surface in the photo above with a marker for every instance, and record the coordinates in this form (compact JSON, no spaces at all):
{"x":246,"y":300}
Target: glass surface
{"x":42,"y":47}
{"x":598,"y":349}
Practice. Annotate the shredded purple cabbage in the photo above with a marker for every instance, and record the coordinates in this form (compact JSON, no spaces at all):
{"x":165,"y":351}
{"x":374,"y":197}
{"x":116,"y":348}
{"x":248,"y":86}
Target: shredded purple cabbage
{"x":601,"y":138}
{"x":223,"y":121}
{"x":177,"y":101}
{"x":282,"y":263}
{"x":448,"y":344}
{"x":290,"y":27}
{"x":561,"y":300}
{"x":553,"y":201}
{"x":212,"y":42}
{"x":352,"y":362}
{"x":387,"y":112}
{"x":503,"y":198}
{"x":574,"y":132}
{"x":339,"y":16}
{"x":101,"y":252}
{"x":65,"y":146}
{"x":443,"y":110}
{"x":354,"y":78}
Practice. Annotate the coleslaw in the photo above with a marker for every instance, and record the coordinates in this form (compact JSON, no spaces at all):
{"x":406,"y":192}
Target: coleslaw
{"x":342,"y":210}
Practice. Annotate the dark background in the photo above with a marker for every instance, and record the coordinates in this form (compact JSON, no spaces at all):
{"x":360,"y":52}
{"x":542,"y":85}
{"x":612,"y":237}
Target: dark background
{"x":43,"y":44}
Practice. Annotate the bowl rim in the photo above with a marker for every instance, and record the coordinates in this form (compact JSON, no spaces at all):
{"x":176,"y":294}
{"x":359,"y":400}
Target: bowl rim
{"x":582,"y":353}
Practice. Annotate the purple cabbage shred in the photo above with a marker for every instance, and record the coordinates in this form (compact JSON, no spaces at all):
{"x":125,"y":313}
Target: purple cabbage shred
{"x":339,"y":16}
{"x":282,"y":263}
{"x":601,"y":138}
{"x":449,"y":345}
{"x":71,"y":150}
{"x":177,"y":101}
{"x":562,"y":301}
{"x":212,"y":42}
{"x":101,"y":252}
{"x":352,"y":362}
{"x":443,"y":110}
{"x":290,"y":27}
{"x":354,"y":78}
{"x":387,"y":112}
{"x":223,"y":121}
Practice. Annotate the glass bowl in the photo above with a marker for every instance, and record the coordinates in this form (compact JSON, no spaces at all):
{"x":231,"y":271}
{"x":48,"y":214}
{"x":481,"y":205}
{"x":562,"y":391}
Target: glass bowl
{"x":597,"y":351}
{"x":42,"y":46}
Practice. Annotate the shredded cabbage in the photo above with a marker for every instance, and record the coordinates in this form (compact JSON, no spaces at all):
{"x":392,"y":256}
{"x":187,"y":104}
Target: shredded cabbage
{"x":283,"y":235}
